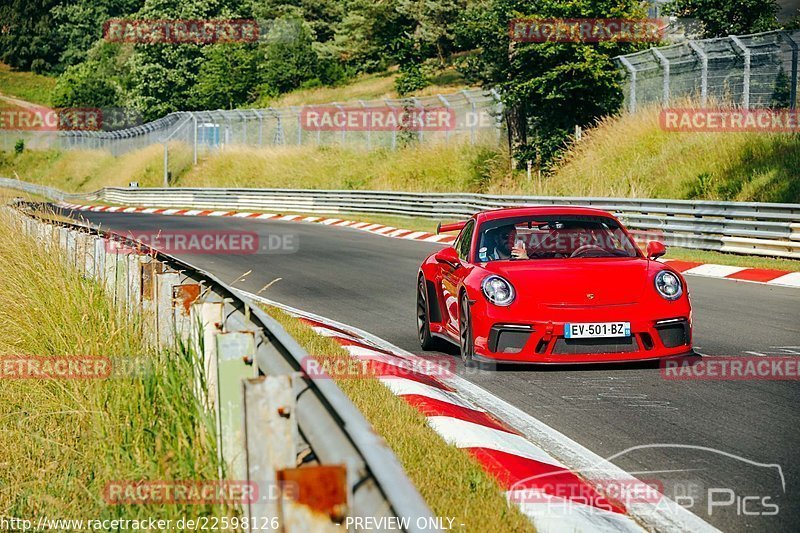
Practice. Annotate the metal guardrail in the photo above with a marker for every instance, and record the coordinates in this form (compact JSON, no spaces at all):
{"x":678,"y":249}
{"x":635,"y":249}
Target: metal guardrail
{"x":331,"y":426}
{"x":768,"y":229}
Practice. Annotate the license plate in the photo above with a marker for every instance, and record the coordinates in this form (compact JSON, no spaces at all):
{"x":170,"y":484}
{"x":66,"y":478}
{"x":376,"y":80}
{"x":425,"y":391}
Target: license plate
{"x":591,"y":330}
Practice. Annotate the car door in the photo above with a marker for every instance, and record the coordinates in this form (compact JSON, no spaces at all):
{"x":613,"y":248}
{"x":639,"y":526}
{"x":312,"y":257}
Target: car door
{"x":452,"y":275}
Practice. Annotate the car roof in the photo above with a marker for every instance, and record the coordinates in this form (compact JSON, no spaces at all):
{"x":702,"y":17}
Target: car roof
{"x":543,"y":210}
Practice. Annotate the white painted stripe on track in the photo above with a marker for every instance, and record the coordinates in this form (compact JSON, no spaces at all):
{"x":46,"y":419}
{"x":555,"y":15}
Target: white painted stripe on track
{"x":787,"y":280}
{"x":464,"y":434}
{"x":218,"y":213}
{"x":436,"y":238}
{"x":553,"y":514}
{"x":192,"y":213}
{"x":414,"y":235}
{"x":329,"y":221}
{"x":404,"y":387}
{"x":714,"y":271}
{"x":243,"y":214}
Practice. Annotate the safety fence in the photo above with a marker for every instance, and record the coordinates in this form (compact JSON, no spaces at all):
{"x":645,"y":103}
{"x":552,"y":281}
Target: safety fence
{"x":270,"y":416}
{"x":747,"y":71}
{"x":471,"y":115}
{"x":768,"y":229}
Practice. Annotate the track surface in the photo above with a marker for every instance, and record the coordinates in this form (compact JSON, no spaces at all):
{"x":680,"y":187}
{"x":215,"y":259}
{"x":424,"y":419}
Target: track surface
{"x":368,"y":281}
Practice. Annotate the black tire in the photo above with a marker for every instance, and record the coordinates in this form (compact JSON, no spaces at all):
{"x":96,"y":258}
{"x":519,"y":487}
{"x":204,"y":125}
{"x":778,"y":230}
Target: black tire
{"x":465,"y":341}
{"x":426,"y":340}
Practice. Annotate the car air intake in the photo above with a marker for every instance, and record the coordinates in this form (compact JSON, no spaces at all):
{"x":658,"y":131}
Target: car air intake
{"x":510,"y":338}
{"x":673,"y":334}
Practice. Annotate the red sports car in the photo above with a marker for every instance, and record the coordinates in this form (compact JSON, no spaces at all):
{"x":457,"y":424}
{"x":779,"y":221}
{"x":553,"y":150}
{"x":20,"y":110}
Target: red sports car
{"x":552,"y":285}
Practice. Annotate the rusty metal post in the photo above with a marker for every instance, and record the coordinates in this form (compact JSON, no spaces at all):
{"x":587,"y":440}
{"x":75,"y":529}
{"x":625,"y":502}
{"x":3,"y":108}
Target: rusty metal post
{"x":183,"y":296}
{"x":270,"y":437}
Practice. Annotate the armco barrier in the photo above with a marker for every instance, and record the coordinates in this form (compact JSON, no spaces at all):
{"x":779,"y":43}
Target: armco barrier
{"x":266,"y":410}
{"x":738,"y":227}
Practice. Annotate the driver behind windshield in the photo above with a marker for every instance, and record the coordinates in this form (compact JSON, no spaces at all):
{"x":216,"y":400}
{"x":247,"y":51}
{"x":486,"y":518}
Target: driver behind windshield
{"x":501,"y":243}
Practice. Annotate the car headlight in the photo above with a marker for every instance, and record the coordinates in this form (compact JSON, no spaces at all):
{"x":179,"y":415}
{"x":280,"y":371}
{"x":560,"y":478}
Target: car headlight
{"x":497,"y":290}
{"x":669,"y":285}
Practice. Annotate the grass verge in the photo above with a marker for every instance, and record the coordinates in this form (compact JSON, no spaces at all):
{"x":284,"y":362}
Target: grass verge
{"x":28,"y":86}
{"x":453,"y":484}
{"x":64,"y":440}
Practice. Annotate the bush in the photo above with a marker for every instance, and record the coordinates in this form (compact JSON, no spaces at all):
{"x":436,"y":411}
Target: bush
{"x":19,"y":146}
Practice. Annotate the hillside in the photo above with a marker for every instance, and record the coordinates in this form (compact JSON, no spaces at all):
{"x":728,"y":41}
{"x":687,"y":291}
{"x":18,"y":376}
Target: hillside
{"x":628,"y":156}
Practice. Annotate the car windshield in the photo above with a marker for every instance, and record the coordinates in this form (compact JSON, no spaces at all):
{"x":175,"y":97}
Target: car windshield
{"x":553,"y":237}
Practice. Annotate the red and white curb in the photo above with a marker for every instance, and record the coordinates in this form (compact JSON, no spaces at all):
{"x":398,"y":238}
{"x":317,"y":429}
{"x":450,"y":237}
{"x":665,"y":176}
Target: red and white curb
{"x":377,"y":229}
{"x":765,"y":276}
{"x":509,"y":444}
{"x":755,"y":275}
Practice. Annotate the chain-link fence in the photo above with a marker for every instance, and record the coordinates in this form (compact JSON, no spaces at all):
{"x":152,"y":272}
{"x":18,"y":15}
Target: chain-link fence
{"x":749,"y":71}
{"x":473,"y":115}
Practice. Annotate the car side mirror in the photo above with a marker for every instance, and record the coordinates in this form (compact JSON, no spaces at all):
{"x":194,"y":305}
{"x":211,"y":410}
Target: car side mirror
{"x":448,"y":256}
{"x":655,"y":249}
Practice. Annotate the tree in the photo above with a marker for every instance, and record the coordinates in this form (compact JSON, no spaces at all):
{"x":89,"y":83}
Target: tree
{"x":228,"y":76}
{"x":720,"y":18}
{"x":548,"y":88}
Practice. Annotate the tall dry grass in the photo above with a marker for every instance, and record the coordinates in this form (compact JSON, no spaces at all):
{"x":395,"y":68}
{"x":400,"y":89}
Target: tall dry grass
{"x":62,"y":440}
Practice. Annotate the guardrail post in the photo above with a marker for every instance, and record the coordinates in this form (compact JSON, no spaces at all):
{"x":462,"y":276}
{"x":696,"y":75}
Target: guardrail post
{"x":165,"y":325}
{"x":235,"y":354}
{"x":134,"y":272}
{"x":149,"y":269}
{"x":270,"y":437}
{"x":207,"y":321}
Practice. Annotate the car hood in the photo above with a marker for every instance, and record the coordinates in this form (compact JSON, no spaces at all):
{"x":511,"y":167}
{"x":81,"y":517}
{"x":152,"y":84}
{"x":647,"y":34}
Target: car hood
{"x":576,"y":282}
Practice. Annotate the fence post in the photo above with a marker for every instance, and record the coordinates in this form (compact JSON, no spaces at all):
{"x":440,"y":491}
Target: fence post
{"x":793,"y":83}
{"x":746,"y":75}
{"x":394,"y":131}
{"x":166,"y":166}
{"x":369,"y":130}
{"x":443,"y":100}
{"x":472,"y":109}
{"x":632,"y":96}
{"x":499,"y":113}
{"x":194,"y":142}
{"x":703,"y":73}
{"x":664,"y":65}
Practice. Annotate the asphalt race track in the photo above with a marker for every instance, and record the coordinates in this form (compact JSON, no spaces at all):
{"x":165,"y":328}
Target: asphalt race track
{"x":368,"y":281}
